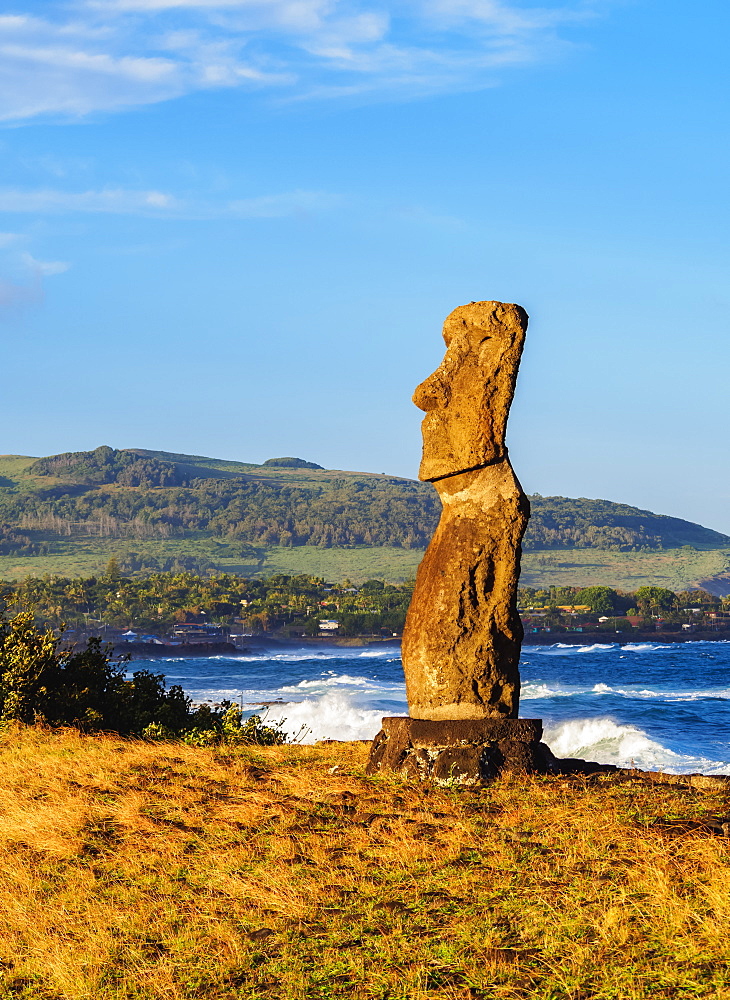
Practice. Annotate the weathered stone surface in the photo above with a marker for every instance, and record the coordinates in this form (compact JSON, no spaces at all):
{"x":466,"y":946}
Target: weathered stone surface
{"x":461,"y":643}
{"x":448,"y":732}
{"x":466,"y":751}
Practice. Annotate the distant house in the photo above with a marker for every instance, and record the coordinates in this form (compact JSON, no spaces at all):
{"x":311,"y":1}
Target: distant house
{"x":328,"y":625}
{"x":190,"y":634}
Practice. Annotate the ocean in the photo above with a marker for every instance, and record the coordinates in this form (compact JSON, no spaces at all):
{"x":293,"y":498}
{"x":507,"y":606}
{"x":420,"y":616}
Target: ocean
{"x":656,"y":706}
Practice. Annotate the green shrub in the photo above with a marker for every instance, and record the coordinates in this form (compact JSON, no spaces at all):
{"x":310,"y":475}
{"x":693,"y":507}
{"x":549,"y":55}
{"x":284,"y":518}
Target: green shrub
{"x":230,"y":729}
{"x":40,"y":682}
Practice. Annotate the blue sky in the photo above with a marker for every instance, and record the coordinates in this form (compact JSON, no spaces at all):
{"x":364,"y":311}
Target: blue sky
{"x":234,"y":228}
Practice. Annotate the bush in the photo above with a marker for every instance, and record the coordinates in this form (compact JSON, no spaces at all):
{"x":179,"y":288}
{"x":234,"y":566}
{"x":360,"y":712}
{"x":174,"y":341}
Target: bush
{"x":230,"y":729}
{"x":39,"y":682}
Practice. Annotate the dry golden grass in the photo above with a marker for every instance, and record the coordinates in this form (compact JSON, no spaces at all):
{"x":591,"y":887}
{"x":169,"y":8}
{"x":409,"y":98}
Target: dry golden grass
{"x":138,"y":870}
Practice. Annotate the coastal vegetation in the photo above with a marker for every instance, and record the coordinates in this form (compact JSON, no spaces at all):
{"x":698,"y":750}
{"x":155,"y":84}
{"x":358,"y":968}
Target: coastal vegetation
{"x":157,"y":603}
{"x":135,"y":869}
{"x":42,"y":683}
{"x":296,"y":605}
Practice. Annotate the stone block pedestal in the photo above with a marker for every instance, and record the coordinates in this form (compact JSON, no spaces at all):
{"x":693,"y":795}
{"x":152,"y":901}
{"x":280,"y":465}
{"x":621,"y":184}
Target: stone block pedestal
{"x":467,"y":751}
{"x":464,"y":751}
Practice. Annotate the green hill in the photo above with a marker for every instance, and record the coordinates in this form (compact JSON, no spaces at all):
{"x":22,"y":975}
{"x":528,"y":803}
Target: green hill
{"x":565,"y":523}
{"x":158,"y":510}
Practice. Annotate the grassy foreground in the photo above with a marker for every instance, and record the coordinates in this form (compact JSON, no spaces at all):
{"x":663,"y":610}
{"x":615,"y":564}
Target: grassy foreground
{"x":140,"y":870}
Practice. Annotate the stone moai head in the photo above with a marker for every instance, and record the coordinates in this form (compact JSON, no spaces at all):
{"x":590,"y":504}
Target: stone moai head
{"x":467,"y":399}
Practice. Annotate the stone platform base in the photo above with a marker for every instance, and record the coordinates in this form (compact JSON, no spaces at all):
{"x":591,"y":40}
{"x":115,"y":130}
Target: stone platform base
{"x":468,"y":751}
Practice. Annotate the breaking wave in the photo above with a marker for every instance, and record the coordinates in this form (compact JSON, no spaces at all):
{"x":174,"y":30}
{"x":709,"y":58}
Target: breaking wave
{"x":568,"y":649}
{"x":332,"y":716}
{"x":608,"y":742}
{"x":532,"y":690}
{"x":661,"y":706}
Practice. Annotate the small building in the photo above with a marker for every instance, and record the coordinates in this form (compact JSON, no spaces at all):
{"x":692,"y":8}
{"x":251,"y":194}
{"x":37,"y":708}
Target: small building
{"x":328,"y":625}
{"x":191,"y":634}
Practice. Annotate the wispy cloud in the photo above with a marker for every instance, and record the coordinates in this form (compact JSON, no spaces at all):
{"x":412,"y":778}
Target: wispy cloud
{"x":107,"y":55}
{"x":44,"y":268}
{"x":115,"y":200}
{"x":160,"y":204}
{"x":22,"y":276}
{"x":279,"y":206}
{"x":67,"y":68}
{"x":14,"y":296}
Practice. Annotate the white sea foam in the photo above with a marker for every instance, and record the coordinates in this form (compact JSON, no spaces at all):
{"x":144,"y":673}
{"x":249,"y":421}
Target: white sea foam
{"x":627,"y":692}
{"x":333,"y":716}
{"x":339,"y":715}
{"x":539,"y":689}
{"x":303,"y":653}
{"x":331,"y":679}
{"x":532,"y":690}
{"x":565,"y":648}
{"x":608,"y":742}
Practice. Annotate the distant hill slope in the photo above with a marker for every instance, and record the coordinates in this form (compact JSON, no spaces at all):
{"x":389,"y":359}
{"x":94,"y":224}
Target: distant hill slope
{"x":564,"y":523}
{"x":141,"y":494}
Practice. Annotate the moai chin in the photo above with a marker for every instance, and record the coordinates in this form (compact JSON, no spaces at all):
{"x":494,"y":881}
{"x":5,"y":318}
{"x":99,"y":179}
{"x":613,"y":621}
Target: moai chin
{"x":461,"y":642}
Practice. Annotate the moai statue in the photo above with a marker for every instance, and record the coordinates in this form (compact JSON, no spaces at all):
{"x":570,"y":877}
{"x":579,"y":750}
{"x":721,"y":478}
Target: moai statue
{"x":461,"y":643}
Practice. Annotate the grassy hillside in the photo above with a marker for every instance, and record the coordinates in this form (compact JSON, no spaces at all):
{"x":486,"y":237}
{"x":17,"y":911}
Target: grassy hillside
{"x":133,"y":870}
{"x":676,"y":569}
{"x":156,"y":510}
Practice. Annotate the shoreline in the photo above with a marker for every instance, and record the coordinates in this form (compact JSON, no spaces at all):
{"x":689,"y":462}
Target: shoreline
{"x":261,"y":644}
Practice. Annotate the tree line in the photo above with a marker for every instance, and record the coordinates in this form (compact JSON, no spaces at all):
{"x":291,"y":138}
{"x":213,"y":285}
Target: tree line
{"x":160,"y":601}
{"x":560,"y":607}
{"x":297,"y":604}
{"x":120,"y":494}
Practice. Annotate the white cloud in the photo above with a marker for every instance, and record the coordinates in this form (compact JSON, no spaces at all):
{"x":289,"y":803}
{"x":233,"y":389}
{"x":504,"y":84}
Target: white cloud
{"x":44,"y":267}
{"x":114,"y":200}
{"x":115,"y":54}
{"x":73,"y":69}
{"x":22,"y":280}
